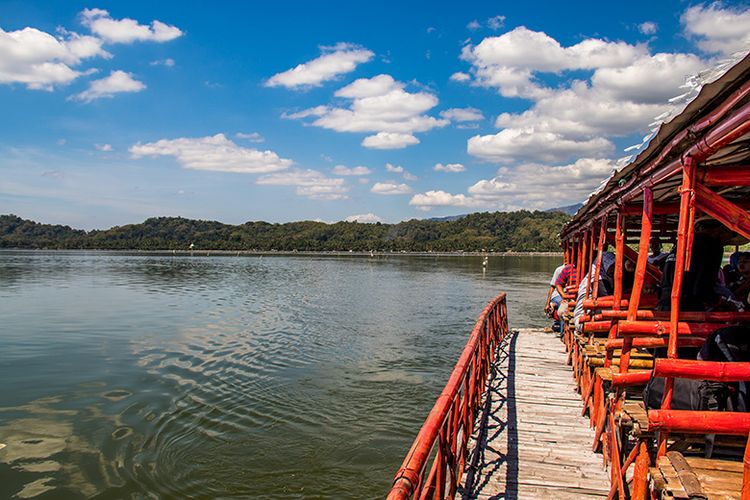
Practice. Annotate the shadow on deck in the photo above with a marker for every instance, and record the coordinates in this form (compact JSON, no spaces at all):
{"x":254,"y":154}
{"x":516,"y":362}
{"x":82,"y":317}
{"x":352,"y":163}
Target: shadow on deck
{"x":531,"y":441}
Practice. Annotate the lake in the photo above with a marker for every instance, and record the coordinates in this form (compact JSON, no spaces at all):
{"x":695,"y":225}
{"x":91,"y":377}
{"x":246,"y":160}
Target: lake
{"x":150,"y":376}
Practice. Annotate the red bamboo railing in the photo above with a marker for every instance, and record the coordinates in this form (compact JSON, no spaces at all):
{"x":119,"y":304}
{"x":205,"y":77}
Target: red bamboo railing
{"x":442,"y":443}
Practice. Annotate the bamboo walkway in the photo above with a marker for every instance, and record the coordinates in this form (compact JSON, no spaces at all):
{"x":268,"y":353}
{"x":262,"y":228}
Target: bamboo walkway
{"x":533,"y":441}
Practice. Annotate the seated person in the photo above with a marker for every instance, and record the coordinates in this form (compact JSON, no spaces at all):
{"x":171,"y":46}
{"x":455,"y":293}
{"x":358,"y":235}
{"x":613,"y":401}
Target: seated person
{"x":606,"y":280}
{"x":656,"y":256}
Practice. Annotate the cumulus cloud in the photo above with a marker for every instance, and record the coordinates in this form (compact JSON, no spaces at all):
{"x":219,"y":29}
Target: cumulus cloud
{"x":369,"y":218}
{"x":127,"y":30}
{"x":530,"y":185}
{"x":40,"y":60}
{"x":648,"y":28}
{"x":462,"y":115}
{"x":529,"y":144}
{"x":379,"y":105}
{"x":439,"y":198}
{"x":215,"y":153}
{"x":389,"y":140}
{"x":450,"y":167}
{"x":103,"y":147}
{"x":718,"y":30}
{"x":309,"y":183}
{"x":398,"y":169}
{"x":460,"y":76}
{"x":344,"y":170}
{"x":116,"y":83}
{"x":335,"y":61}
{"x":627,"y":88}
{"x":394,"y":169}
{"x":252,"y":136}
{"x":390,"y":188}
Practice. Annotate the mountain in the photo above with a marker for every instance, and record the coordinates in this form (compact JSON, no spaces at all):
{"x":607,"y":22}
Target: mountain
{"x":495,"y":231}
{"x":570,"y":209}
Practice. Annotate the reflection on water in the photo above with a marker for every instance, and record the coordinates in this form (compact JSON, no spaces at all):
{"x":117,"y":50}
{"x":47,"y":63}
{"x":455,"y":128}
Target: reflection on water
{"x":161,"y":376}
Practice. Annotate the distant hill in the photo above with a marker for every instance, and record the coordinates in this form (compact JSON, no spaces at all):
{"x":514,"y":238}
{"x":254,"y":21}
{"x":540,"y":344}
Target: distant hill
{"x":570,"y":209}
{"x":447,"y":218}
{"x":521,"y":231}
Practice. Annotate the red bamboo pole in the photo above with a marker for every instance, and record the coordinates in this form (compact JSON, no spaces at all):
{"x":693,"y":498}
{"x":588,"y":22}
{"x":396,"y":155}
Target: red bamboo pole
{"x":702,"y":370}
{"x":619,"y":263}
{"x":640,"y":273}
{"x":650,"y":328}
{"x":683,"y":228}
{"x":655,"y":342}
{"x":699,"y":422}
{"x":589,"y":262}
{"x":640,"y":472}
{"x":630,"y":378}
{"x":709,"y":317}
{"x":600,"y":254}
{"x":723,"y":210}
{"x":728,"y":175}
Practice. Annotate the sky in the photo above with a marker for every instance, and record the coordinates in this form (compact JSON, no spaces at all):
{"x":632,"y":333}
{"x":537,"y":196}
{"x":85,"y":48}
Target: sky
{"x":114,"y":112}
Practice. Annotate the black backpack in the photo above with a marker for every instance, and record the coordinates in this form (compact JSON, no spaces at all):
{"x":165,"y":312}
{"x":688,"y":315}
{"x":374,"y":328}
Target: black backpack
{"x":727,"y":344}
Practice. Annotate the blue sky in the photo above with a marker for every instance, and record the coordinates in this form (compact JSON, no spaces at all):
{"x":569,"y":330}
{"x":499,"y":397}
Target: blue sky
{"x":118,"y":111}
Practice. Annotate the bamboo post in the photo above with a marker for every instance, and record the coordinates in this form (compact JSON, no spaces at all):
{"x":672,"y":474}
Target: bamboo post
{"x":687,"y":195}
{"x":640,"y":272}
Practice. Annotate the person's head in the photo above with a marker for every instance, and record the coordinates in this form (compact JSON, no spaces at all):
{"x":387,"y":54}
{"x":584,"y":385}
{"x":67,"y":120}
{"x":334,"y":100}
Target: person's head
{"x":655,"y":245}
{"x":743,"y":263}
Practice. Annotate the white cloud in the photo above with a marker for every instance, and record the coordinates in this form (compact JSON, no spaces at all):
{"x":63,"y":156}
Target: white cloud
{"x":496,"y":22}
{"x":380,"y":105}
{"x":337,"y":60}
{"x":369,"y":218}
{"x":390,"y":188}
{"x":507,"y":62}
{"x":474,"y":25}
{"x":309,"y":183}
{"x":389,"y":140}
{"x":117,"y":82}
{"x":648,"y":28}
{"x":439,"y":198}
{"x":462,"y":114}
{"x":717,"y":29}
{"x":529,"y":144}
{"x":532,"y":186}
{"x":397,"y":169}
{"x":168,"y":62}
{"x":126,"y":30}
{"x":252,"y":136}
{"x":450,"y":167}
{"x":41,"y":61}
{"x":344,"y":170}
{"x":627,"y":88}
{"x":376,"y":86}
{"x":103,"y":147}
{"x":215,"y":153}
{"x":460,"y":76}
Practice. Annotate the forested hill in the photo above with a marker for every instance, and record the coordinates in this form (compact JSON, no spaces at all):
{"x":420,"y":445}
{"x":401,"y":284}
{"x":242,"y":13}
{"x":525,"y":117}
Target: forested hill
{"x":522,"y":231}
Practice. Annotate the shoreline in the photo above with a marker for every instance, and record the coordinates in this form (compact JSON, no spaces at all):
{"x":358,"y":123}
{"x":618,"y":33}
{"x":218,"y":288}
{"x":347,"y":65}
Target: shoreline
{"x":284,"y":253}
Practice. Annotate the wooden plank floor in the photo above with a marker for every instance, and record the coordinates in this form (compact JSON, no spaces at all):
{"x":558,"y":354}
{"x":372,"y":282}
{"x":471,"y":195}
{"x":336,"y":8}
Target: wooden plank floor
{"x":533,"y":442}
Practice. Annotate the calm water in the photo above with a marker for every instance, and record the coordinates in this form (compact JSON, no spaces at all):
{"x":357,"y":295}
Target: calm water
{"x":157,"y":376}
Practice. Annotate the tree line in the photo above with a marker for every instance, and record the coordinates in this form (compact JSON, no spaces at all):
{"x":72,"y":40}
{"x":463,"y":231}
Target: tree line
{"x":521,"y":231}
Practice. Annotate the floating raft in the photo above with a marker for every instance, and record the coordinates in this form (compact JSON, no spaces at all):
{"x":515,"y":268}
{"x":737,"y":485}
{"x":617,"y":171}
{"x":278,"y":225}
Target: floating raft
{"x":532,"y":441}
